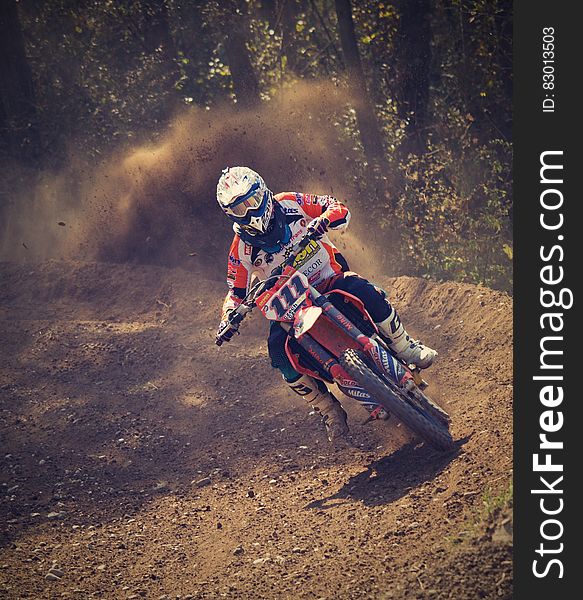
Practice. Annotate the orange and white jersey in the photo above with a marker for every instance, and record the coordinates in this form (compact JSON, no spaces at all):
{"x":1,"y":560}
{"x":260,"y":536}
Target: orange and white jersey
{"x":320,"y":264}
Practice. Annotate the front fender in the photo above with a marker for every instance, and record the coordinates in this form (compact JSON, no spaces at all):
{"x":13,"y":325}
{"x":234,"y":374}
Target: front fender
{"x":305,"y":319}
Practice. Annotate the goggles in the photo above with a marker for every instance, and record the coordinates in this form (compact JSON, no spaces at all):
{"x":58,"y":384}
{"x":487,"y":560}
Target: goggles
{"x":250,"y":201}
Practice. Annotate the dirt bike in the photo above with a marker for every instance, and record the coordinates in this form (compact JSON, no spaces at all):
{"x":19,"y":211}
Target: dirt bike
{"x":333,"y":338}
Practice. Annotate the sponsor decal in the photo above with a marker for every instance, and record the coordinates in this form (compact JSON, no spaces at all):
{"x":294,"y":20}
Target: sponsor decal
{"x":234,"y":261}
{"x":290,"y":211}
{"x":303,"y":222}
{"x":299,"y":198}
{"x":231,"y":273}
{"x":295,"y":236}
{"x":381,"y":359}
{"x":309,"y":270}
{"x":315,"y":355}
{"x":355,"y":393}
{"x":350,"y":387}
{"x":345,"y":322}
{"x":291,"y":311}
{"x":258,"y":262}
{"x":306,"y":254}
{"x":309,"y":198}
{"x":264,"y":299}
{"x":391,"y":366}
{"x":248,"y":249}
{"x":301,"y":389}
{"x":347,"y":382}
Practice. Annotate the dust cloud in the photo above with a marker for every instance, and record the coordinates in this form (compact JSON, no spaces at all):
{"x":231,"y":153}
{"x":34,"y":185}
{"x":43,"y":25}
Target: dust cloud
{"x":156,"y":203}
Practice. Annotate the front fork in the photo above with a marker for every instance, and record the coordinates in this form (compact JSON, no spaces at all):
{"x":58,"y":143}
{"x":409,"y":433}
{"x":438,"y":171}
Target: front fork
{"x":372,"y":346}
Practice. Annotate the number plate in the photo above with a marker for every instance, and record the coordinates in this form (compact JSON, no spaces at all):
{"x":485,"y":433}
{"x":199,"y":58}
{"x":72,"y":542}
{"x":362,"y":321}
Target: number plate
{"x":283,"y":301}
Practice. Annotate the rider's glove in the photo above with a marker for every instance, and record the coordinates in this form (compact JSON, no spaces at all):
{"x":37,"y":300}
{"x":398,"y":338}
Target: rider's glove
{"x":318,"y":227}
{"x":226,"y":330}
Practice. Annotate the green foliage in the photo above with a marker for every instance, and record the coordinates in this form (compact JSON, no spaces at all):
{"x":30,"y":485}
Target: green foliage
{"x":456,"y":212}
{"x":108,"y":72}
{"x":496,"y":504}
{"x":496,"y":500}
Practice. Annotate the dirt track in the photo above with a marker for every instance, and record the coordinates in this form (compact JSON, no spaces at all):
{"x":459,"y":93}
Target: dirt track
{"x":139,"y":460}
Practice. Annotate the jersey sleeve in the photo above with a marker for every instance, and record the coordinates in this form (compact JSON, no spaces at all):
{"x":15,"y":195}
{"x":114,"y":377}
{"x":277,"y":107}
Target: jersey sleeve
{"x":238,"y":270}
{"x":329,"y":207}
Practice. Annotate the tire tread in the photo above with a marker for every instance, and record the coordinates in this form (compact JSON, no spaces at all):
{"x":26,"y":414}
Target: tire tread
{"x":428,"y":429}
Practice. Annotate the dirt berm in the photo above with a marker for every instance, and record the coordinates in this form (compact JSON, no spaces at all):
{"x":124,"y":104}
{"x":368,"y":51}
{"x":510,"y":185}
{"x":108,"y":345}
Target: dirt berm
{"x":141,"y":461}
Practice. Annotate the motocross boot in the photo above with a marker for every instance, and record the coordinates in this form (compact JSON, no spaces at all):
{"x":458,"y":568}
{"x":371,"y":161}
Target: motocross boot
{"x":407,"y":349}
{"x":323,"y":402}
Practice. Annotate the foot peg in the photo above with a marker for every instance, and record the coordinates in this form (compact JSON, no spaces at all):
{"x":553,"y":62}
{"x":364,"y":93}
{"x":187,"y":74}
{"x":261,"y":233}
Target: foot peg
{"x":378,"y":414}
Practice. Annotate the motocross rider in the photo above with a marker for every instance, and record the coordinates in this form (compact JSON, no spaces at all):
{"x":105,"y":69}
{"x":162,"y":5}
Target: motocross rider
{"x":266,"y":228}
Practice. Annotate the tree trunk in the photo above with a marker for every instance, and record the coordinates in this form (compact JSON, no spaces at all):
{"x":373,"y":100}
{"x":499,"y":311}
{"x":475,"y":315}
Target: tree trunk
{"x":412,"y":60}
{"x":368,"y":126}
{"x":18,"y":115}
{"x":157,"y":35}
{"x":158,"y":41}
{"x":268,"y":12}
{"x":243,"y":75}
{"x":504,"y":57}
{"x":291,"y":9}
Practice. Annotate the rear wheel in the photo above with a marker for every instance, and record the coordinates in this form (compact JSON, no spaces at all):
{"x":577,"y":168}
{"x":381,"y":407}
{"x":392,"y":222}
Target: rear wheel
{"x":392,"y":398}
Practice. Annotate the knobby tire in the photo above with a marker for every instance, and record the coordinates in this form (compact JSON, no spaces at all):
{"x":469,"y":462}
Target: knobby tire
{"x":429,"y":430}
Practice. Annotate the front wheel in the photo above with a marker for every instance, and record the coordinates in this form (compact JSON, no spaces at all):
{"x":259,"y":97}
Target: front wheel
{"x":426,"y":427}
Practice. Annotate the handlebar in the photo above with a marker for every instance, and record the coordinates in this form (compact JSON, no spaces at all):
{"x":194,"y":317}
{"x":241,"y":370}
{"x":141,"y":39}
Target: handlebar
{"x":238,"y":314}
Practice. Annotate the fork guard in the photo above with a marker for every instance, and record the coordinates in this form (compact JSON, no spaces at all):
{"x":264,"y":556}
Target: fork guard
{"x":387,"y":364}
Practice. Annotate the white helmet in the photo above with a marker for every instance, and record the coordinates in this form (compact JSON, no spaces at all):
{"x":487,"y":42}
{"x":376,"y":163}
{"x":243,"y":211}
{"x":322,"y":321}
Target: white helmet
{"x":245,"y":199}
